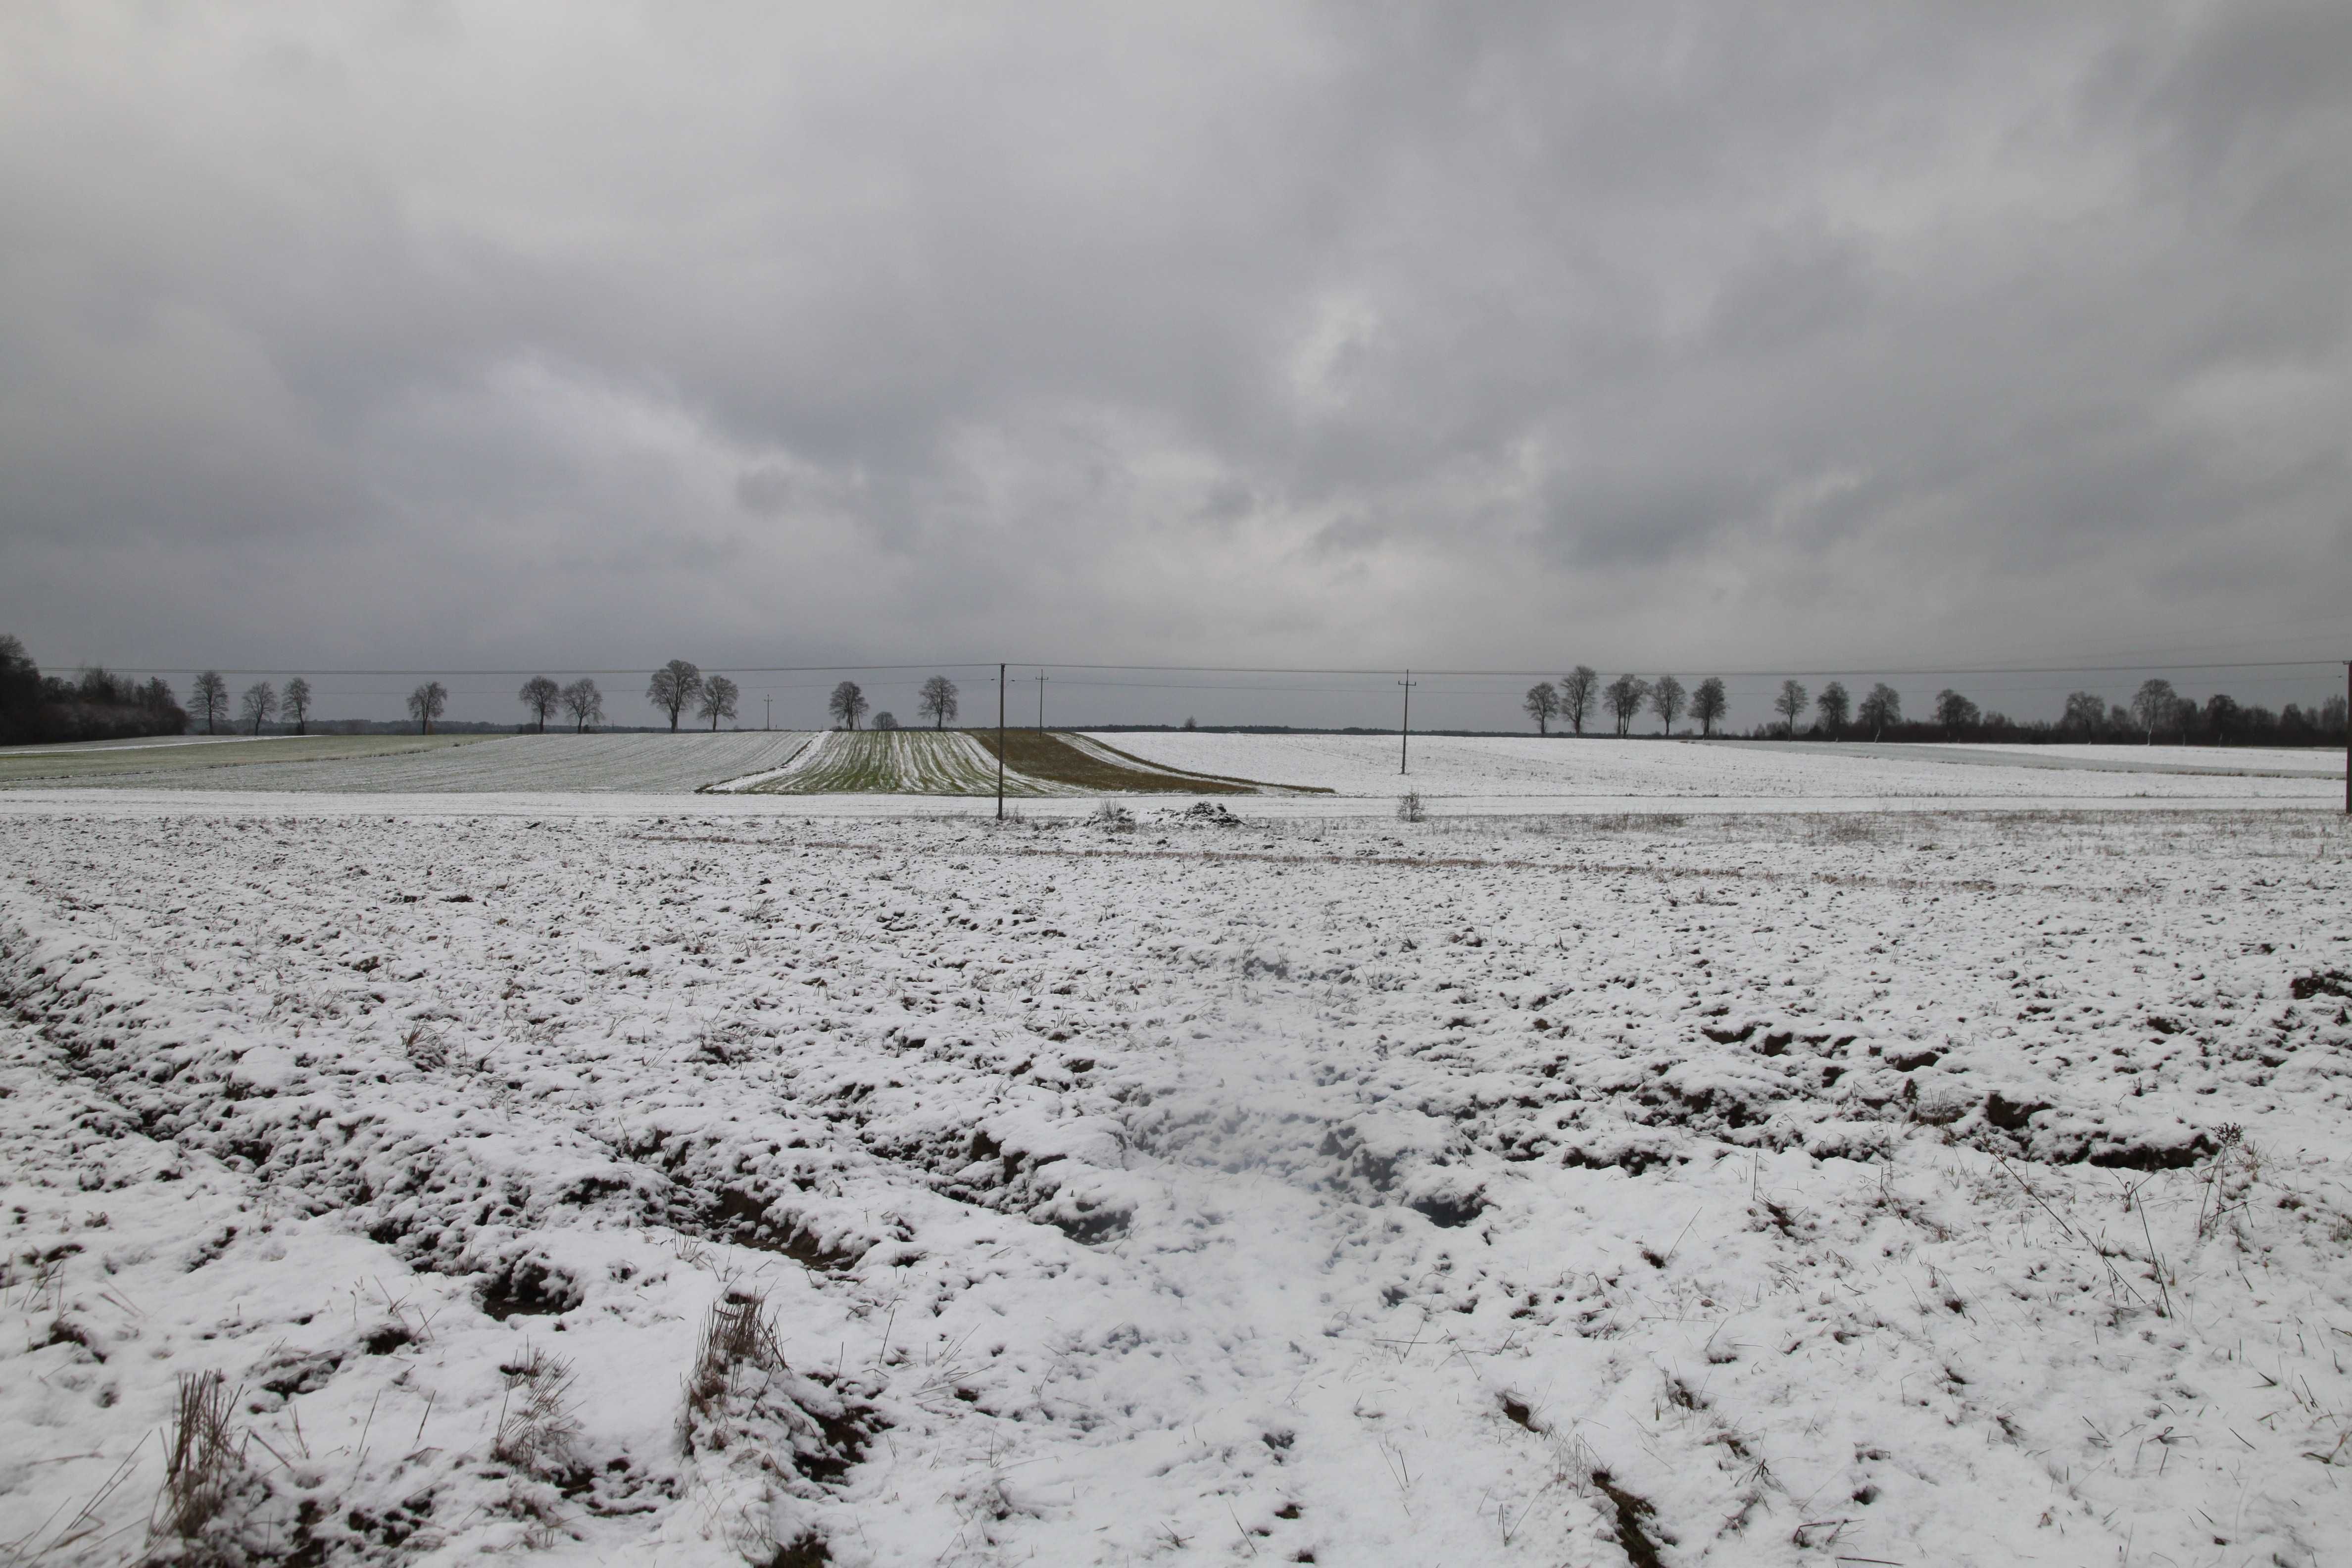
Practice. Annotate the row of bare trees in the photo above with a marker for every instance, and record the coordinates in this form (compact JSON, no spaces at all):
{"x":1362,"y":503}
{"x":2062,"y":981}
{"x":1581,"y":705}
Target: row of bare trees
{"x":1880,"y":707}
{"x":2155,"y":711}
{"x":936,"y":702}
{"x":675,"y":687}
{"x":678,"y":685}
{"x":1573,"y":699}
{"x":2155,"y":708}
{"x":262,"y":702}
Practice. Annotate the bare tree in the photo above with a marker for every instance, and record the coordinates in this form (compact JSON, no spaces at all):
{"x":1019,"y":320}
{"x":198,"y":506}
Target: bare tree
{"x":2086,"y":714}
{"x":846,"y":704}
{"x":1836,"y":708}
{"x":426,"y":703}
{"x":885,"y":720}
{"x":938,"y":701}
{"x":260,"y":704}
{"x":1541,"y":702}
{"x":296,"y":704}
{"x":2222,"y":713}
{"x":2153,"y":705}
{"x":2184,"y":717}
{"x":719,"y":695}
{"x":1666,"y":699}
{"x":209,"y":697}
{"x":1708,"y":704}
{"x":1578,"y":688}
{"x":541,"y":697}
{"x":585,"y":703}
{"x":1956,"y":714}
{"x":1883,"y":707}
{"x":1789,"y":703}
{"x":1625,"y":695}
{"x":674,"y":688}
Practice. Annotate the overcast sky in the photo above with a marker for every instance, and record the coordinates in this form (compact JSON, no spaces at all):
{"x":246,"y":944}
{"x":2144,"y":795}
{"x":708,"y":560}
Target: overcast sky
{"x":1659,"y":337}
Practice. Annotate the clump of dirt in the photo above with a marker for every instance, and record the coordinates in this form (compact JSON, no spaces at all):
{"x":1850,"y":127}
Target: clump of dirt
{"x":529,"y":1286}
{"x":2320,"y":983}
{"x":1632,"y":1532}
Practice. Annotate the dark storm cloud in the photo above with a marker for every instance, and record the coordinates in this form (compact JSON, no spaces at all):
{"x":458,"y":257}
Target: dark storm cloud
{"x":442,"y":332}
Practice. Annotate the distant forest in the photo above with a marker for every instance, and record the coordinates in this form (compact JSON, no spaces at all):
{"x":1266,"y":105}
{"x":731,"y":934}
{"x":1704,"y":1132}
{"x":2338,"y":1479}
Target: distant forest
{"x":2156,"y":715}
{"x":94,"y":706}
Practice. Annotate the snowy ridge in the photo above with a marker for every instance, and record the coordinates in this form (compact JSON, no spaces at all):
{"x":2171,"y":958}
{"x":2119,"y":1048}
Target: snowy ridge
{"x":752,"y":782}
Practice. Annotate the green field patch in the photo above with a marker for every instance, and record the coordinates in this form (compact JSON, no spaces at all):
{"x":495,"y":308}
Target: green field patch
{"x":1089,"y":766}
{"x":115,"y":762}
{"x":899,"y":761}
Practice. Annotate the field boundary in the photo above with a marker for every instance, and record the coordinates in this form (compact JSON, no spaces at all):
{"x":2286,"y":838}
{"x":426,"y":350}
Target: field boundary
{"x":1081,"y":739}
{"x":750,"y":782}
{"x":1084,"y":766}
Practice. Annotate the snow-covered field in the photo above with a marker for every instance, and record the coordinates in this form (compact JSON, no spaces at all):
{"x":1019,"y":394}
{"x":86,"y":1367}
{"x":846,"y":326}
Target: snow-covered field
{"x":1901,"y":1188}
{"x":655,"y":763}
{"x":1443,"y":766}
{"x":1454,"y":774}
{"x":2269,"y":759}
{"x":144,"y":744}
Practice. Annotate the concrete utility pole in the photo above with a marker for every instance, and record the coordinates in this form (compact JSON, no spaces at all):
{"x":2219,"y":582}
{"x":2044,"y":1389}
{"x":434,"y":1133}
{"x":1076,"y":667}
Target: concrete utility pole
{"x":999,"y":742}
{"x":772,"y":713}
{"x":2347,"y":736}
{"x":1404,"y":734}
{"x":1041,"y":699}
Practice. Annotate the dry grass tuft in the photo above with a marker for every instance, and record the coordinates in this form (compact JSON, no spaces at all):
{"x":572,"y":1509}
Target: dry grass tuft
{"x":424,"y":1046}
{"x":206,"y":1462}
{"x":536,"y":1427}
{"x":736,"y":1333}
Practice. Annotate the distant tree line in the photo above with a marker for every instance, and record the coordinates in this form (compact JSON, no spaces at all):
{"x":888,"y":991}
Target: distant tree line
{"x":2156,"y":712}
{"x":96,"y":705}
{"x":677,"y":689}
{"x":1575,"y":697}
{"x":100,"y":705}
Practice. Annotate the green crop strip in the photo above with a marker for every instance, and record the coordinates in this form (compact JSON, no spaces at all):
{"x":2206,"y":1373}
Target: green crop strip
{"x":899,"y":762}
{"x":1043,"y":754}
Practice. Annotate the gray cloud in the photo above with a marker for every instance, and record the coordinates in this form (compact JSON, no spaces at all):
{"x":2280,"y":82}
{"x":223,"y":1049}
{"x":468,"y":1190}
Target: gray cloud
{"x":1497,"y":335}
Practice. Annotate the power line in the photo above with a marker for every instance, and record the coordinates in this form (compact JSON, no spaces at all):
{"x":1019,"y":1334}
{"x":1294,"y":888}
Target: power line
{"x":1762,"y":672}
{"x":644,"y":669}
{"x":1759,"y":673}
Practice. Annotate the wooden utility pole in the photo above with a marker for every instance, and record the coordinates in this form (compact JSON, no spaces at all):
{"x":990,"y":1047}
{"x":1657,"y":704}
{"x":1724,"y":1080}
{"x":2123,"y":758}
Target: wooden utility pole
{"x":1041,"y":699}
{"x":1404,"y":734}
{"x":999,"y":742}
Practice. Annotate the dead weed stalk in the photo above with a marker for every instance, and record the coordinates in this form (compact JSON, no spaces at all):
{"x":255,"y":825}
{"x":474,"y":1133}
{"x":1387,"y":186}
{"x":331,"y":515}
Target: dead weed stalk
{"x":536,"y":1424}
{"x":736,"y":1333}
{"x":206,"y":1465}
